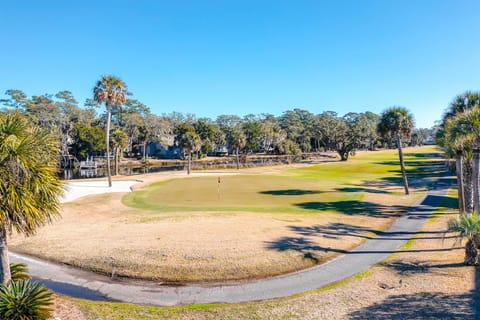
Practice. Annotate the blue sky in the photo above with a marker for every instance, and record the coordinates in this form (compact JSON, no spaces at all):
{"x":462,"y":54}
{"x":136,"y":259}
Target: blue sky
{"x":240,"y":56}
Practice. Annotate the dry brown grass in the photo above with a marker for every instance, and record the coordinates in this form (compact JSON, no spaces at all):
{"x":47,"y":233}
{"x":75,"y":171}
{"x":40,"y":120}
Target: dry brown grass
{"x":424,"y":281}
{"x":99,"y":233}
{"x":103,"y":235}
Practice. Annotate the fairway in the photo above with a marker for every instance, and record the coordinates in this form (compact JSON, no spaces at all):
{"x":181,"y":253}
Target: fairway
{"x":364,"y":178}
{"x":256,"y":223}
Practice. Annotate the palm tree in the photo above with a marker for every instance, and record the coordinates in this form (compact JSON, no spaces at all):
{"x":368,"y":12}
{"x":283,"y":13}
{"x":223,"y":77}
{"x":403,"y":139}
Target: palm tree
{"x":119,"y":142}
{"x":191,"y":142}
{"x":468,"y":127}
{"x":468,"y":226}
{"x":237,"y":140}
{"x":188,"y":140}
{"x":29,"y":187}
{"x":111,"y":91}
{"x":456,"y":142}
{"x":462,"y":103}
{"x":397,"y":122}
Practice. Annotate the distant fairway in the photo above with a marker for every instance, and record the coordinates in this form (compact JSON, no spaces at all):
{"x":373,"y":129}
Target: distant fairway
{"x":292,"y":191}
{"x":265,"y":221}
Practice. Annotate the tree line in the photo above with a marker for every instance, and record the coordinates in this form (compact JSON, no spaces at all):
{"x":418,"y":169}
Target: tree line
{"x":81,"y":129}
{"x":459,"y":136}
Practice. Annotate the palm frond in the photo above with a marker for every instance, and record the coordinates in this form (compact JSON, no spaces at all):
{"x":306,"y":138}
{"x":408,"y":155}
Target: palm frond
{"x":466,"y":226}
{"x":19,"y":271}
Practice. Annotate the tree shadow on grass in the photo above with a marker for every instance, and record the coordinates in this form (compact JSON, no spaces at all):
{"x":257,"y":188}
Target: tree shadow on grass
{"x":443,"y":201}
{"x":355,"y":207}
{"x":423,"y":305}
{"x":419,"y":172}
{"x":312,"y":250}
{"x":422,"y":180}
{"x":421,"y":164}
{"x":334,"y":231}
{"x":306,"y":247}
{"x":361,"y":189}
{"x":429,"y":205}
{"x":405,"y":268}
{"x":338,"y":230}
{"x":437,"y":155}
{"x":290,"y":192}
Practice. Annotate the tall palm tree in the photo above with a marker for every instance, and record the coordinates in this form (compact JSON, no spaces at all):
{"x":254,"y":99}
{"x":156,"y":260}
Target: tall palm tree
{"x":111,"y":91}
{"x":119,"y":143}
{"x":191,"y":143}
{"x":397,"y":122}
{"x":456,"y":142}
{"x":29,"y":186}
{"x":461,"y":103}
{"x":237,"y":140}
{"x":468,"y":126}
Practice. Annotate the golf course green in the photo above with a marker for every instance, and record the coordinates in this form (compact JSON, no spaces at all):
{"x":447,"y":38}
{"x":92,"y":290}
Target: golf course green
{"x":300,"y":190}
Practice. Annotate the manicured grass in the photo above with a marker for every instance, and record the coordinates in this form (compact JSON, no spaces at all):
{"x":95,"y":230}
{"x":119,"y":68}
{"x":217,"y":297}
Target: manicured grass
{"x":331,"y":187}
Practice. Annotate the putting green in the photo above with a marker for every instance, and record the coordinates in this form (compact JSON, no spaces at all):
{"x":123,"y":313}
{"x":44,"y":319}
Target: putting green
{"x":328,"y":187}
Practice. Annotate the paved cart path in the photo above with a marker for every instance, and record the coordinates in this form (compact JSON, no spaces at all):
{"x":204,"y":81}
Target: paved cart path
{"x":75,"y":282}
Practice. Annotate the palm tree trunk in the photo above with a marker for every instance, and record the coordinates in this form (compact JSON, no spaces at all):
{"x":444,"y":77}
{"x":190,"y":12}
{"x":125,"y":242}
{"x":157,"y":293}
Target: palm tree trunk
{"x":472,"y":253}
{"x":145,"y":151}
{"x":402,"y":164}
{"x":467,"y":186}
{"x":461,"y":198}
{"x":116,"y":161}
{"x":238,"y":159}
{"x":107,"y":141}
{"x":476,"y":191}
{"x":4,"y":260}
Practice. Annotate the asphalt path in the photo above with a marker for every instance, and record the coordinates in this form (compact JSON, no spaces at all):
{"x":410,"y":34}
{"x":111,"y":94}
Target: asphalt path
{"x":83,"y":284}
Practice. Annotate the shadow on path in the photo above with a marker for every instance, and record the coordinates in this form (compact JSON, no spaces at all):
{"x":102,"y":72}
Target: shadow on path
{"x":73,"y":290}
{"x":311,"y":250}
{"x":307,"y":245}
{"x":338,"y":230}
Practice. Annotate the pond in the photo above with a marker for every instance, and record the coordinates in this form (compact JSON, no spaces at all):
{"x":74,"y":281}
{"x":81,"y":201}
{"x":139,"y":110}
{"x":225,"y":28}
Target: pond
{"x":224,"y":163}
{"x":77,"y":173}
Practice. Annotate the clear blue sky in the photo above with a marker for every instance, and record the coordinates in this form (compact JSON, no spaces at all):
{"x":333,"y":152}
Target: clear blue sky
{"x":241,"y":56}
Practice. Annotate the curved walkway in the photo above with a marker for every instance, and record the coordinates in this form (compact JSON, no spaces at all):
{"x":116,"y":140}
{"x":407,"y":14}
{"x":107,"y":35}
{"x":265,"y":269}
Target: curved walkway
{"x":86,"y":284}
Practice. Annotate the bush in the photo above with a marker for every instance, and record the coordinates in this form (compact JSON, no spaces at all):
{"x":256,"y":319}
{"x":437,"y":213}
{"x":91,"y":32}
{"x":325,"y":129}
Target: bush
{"x":25,"y":300}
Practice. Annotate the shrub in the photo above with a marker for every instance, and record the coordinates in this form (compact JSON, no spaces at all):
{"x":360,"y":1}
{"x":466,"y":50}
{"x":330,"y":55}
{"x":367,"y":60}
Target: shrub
{"x":25,"y":300}
{"x":468,"y":226}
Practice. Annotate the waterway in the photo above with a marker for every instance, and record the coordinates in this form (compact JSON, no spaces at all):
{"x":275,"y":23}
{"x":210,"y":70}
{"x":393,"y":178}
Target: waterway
{"x":224,"y":163}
